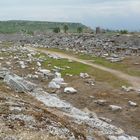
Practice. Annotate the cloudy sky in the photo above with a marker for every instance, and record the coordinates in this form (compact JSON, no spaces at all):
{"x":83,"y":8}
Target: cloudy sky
{"x":113,"y":14}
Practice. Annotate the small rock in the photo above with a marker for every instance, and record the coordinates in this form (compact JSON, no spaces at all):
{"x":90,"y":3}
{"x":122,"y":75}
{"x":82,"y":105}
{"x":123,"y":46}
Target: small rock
{"x":70,"y":90}
{"x":84,"y":75}
{"x":92,"y":97}
{"x":127,"y":89}
{"x":115,"y":108}
{"x":101,"y":102}
{"x":132,"y":103}
{"x":90,"y":82}
{"x":38,"y":64}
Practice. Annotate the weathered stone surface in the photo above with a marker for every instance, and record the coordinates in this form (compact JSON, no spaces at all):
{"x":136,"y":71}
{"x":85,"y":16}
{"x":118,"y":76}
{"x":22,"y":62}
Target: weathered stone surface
{"x":3,"y":72}
{"x":18,"y":83}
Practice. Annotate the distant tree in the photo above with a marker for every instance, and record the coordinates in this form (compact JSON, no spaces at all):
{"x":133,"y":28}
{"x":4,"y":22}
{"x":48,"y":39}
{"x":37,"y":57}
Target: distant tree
{"x":123,"y":31}
{"x":79,"y":29}
{"x":56,"y":30}
{"x":65,"y":28}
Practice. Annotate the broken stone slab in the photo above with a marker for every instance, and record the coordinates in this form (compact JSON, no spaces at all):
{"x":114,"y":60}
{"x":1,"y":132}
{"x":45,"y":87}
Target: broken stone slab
{"x":115,"y":108}
{"x":70,"y":75}
{"x":81,"y":117}
{"x":113,"y":60}
{"x":3,"y":72}
{"x":70,"y":90}
{"x":54,"y":85}
{"x":132,"y":103}
{"x":56,"y":68}
{"x":50,"y":100}
{"x":58,"y":81}
{"x":25,"y":118}
{"x":29,"y":55}
{"x":57,"y":75}
{"x":84,"y":75}
{"x":54,"y":56}
{"x":90,"y":82}
{"x":38,"y":64}
{"x":8,"y":63}
{"x":22,"y":64}
{"x":127,"y":89}
{"x":18,"y":84}
{"x":32,"y":76}
{"x":101,"y":102}
{"x":46,"y":73}
{"x":1,"y":58}
{"x":123,"y":137}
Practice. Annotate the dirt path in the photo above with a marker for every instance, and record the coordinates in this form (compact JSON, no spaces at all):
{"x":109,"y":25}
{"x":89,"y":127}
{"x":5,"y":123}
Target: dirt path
{"x":134,"y":81}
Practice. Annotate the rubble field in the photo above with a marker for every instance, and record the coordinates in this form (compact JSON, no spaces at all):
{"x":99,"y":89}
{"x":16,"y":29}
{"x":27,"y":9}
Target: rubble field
{"x":46,"y":97}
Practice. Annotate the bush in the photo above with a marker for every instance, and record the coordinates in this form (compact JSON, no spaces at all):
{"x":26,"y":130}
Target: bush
{"x":56,"y":30}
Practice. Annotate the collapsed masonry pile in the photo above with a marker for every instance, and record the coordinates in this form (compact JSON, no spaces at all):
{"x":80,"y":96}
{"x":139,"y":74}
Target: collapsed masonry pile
{"x":90,"y":121}
{"x":114,"y":48}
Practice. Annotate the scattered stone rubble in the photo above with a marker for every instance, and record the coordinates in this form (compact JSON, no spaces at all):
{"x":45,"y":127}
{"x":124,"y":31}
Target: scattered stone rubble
{"x":91,"y":45}
{"x":79,"y":117}
{"x":114,"y":48}
{"x":57,"y":82}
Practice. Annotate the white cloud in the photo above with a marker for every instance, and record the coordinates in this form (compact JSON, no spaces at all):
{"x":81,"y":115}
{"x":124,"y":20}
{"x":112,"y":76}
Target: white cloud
{"x":91,"y":12}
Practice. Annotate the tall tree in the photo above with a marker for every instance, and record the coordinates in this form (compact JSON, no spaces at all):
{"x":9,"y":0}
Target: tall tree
{"x":79,"y":29}
{"x":65,"y":28}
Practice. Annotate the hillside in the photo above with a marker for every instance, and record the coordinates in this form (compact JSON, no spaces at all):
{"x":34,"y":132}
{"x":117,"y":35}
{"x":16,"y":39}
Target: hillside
{"x":37,"y":26}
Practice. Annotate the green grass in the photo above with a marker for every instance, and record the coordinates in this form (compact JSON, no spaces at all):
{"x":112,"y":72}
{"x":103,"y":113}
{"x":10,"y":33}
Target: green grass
{"x":121,"y":66}
{"x":76,"y":68}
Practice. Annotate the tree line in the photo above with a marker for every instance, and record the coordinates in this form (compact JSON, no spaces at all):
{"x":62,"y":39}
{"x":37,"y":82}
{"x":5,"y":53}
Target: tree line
{"x":66,"y":28}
